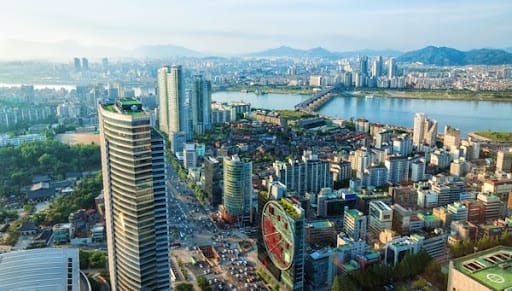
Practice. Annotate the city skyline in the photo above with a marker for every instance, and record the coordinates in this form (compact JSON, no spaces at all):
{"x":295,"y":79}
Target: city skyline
{"x":230,"y":27}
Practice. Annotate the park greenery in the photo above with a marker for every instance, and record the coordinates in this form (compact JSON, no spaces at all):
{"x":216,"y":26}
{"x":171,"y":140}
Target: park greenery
{"x":20,"y":164}
{"x":260,"y":89}
{"x":376,"y":276}
{"x":184,"y":287}
{"x":294,"y":115}
{"x":203,"y":284}
{"x":441,"y":94}
{"x":92,"y":259}
{"x":496,"y":136}
{"x":468,"y":246}
{"x":82,"y":197}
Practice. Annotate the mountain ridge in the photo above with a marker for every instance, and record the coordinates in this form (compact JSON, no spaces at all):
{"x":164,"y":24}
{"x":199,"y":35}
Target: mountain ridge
{"x":445,"y":56}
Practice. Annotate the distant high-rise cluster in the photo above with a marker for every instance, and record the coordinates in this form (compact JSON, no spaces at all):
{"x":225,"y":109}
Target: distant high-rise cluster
{"x":177,"y":118}
{"x":81,"y":65}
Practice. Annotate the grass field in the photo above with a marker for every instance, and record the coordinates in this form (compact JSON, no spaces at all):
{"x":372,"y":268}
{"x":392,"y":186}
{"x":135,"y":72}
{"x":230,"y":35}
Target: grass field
{"x":496,"y":136}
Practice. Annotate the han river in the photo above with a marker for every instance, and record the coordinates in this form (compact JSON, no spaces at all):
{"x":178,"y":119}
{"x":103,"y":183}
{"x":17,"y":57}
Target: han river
{"x":466,"y":115}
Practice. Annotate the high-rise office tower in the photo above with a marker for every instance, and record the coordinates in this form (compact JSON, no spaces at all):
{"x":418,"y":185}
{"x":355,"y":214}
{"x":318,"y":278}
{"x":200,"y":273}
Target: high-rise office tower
{"x":200,"y":103}
{"x":363,"y":65}
{"x":76,"y":62}
{"x":377,"y":67}
{"x":391,"y":68}
{"x":237,"y":189}
{"x":425,"y":130}
{"x":85,"y":64}
{"x":212,"y":178}
{"x":136,"y":199}
{"x":104,"y":63}
{"x":173,"y":117}
{"x":281,"y":241}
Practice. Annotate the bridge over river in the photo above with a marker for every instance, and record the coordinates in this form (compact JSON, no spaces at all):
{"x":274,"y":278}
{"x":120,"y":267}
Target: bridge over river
{"x":316,"y":101}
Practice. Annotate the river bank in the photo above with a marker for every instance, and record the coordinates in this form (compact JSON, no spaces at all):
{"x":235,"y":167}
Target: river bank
{"x":463,"y":95}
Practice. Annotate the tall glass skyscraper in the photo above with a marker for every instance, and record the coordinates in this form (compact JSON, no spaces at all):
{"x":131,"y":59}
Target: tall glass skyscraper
{"x":136,"y":200}
{"x":200,"y":103}
{"x":173,"y":116}
{"x":237,"y":188}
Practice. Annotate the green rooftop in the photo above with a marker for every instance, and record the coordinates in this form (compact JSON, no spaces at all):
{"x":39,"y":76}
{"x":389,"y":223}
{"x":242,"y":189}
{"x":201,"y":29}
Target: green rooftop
{"x":492,"y":268}
{"x":321,"y":224}
{"x":354,"y":213}
{"x":292,"y":209}
{"x":129,"y":106}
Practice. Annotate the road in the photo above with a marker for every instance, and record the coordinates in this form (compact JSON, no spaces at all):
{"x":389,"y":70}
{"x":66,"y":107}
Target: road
{"x":195,"y":227}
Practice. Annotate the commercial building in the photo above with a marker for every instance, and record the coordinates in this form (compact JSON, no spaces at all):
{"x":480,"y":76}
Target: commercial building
{"x":498,"y":187}
{"x":136,"y":199}
{"x":281,"y":243}
{"x":200,"y":104}
{"x":484,"y":270}
{"x":320,"y":233}
{"x":189,"y":156}
{"x":504,"y":161}
{"x":401,"y":219}
{"x":212,"y":179}
{"x":395,"y":250}
{"x":380,"y":217}
{"x":493,"y":206}
{"x":238,"y":190}
{"x":318,"y":268}
{"x":333,"y":203}
{"x":355,"y":224}
{"x":173,"y":117}
{"x":406,"y":196}
{"x":46,"y":269}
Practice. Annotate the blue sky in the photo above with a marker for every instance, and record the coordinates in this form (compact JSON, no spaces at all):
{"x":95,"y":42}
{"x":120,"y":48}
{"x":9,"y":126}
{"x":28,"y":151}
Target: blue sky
{"x":237,"y":26}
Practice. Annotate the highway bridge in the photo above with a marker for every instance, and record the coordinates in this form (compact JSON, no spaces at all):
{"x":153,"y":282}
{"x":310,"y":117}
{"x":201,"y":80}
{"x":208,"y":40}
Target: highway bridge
{"x":316,"y":101}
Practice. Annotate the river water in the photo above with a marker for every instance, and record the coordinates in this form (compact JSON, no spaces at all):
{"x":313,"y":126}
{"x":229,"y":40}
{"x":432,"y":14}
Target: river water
{"x":466,"y":115}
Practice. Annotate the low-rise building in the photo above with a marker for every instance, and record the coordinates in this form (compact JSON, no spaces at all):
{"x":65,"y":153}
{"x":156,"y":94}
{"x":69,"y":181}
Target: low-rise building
{"x":484,"y":270}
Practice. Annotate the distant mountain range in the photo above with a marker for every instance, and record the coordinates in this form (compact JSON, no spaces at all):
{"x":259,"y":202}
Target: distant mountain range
{"x":319,"y":52}
{"x":444,"y":56}
{"x":66,"y":50}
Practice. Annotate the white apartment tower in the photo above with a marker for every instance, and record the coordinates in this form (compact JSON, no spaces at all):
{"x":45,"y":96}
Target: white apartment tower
{"x":425,"y":130}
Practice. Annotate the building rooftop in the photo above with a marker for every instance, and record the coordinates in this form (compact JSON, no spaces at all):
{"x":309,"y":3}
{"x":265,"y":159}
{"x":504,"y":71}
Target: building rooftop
{"x":292,"y":207}
{"x":354,"y":213}
{"x":491,"y":268}
{"x":130,"y":106}
{"x":39,"y":269}
{"x":321,"y":224}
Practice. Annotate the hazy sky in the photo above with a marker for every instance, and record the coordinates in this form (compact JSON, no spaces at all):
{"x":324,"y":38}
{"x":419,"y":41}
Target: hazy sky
{"x":234,"y":26}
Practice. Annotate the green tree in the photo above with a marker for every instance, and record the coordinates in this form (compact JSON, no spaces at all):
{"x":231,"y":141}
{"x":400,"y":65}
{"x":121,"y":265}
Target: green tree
{"x":184,"y":287}
{"x":202,"y":282}
{"x":98,"y":260}
{"x":84,"y":259}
